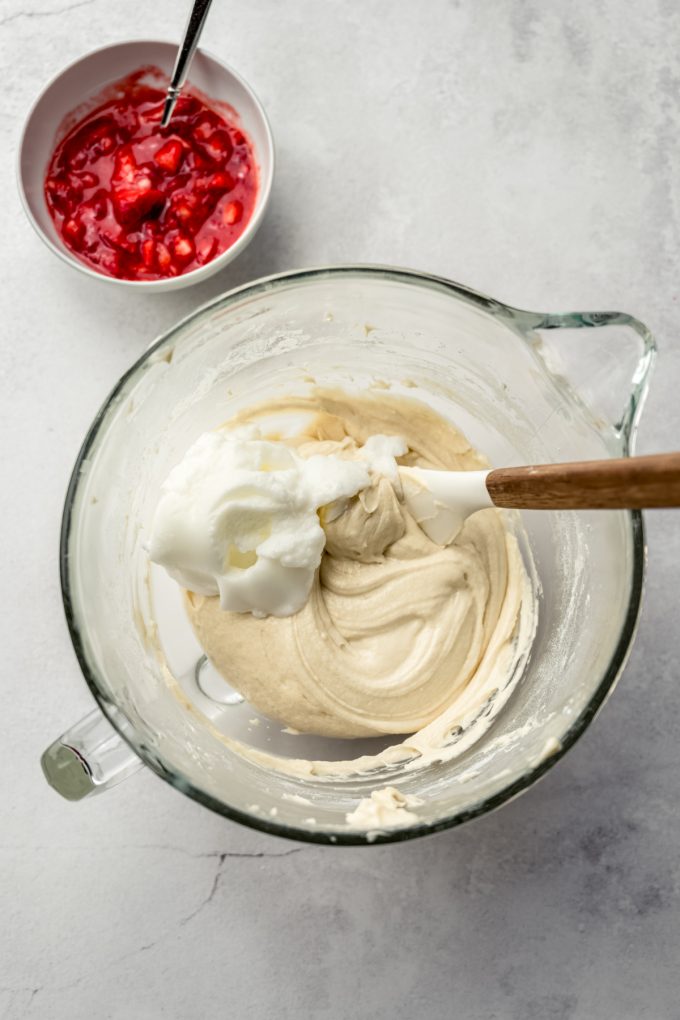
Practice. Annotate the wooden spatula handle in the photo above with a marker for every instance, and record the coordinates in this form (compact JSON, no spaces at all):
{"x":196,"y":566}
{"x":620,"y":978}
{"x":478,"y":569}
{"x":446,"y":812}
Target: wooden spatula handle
{"x":626,"y":484}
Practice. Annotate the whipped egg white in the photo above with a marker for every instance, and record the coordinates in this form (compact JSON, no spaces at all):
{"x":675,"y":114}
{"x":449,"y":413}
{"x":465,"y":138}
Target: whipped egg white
{"x":238,"y":516}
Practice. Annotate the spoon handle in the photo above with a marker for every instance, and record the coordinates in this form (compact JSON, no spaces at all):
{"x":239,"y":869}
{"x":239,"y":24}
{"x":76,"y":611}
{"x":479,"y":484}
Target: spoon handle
{"x":628,"y":483}
{"x":192,"y":34}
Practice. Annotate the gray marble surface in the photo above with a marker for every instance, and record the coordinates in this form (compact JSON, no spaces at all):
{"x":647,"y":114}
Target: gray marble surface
{"x":531,"y":151}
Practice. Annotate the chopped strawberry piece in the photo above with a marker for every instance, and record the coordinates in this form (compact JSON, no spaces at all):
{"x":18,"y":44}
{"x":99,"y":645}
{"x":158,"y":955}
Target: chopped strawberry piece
{"x":148,"y":249}
{"x":124,"y":166}
{"x":76,"y":188}
{"x":232,"y":213}
{"x":204,"y":126}
{"x":219,"y":146}
{"x":206,"y":249}
{"x":184,"y":206}
{"x":59,"y":192}
{"x":197,"y":161}
{"x":74,"y":230}
{"x":134,"y":193}
{"x":151,"y":115}
{"x":64,"y":192}
{"x":135,"y":201}
{"x":183,"y":213}
{"x":55,"y":185}
{"x":102,"y":133}
{"x":220,"y":181}
{"x":170,"y":155}
{"x":94,"y":208}
{"x":94,"y":139}
{"x":190,"y":211}
{"x":181,"y":183}
{"x":183,"y":248}
{"x":186,"y":106}
{"x":163,"y":256}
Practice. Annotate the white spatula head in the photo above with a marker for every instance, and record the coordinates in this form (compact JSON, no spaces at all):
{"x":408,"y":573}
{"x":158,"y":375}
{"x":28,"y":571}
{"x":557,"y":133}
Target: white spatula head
{"x":441,"y":501}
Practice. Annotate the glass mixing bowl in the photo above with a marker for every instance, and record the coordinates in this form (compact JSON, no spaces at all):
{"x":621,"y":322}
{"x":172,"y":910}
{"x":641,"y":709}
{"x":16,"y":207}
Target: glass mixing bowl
{"x":524,"y":387}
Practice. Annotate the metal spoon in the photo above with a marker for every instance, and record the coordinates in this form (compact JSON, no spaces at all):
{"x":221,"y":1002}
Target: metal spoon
{"x":185,"y":55}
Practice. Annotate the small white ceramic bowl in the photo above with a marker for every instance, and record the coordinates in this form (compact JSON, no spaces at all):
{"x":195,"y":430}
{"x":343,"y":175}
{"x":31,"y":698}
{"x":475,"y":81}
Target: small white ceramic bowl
{"x":86,"y":78}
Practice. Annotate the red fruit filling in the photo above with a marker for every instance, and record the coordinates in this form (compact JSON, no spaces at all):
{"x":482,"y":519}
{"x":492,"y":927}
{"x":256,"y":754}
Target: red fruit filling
{"x":140,"y":202}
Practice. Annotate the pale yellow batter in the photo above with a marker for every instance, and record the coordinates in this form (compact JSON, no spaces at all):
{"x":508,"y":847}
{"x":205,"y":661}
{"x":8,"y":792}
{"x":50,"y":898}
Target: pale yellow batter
{"x":399,"y":636}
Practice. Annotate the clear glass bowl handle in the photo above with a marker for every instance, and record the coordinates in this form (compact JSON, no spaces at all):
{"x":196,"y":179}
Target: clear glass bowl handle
{"x":602,"y":370}
{"x":90,"y":757}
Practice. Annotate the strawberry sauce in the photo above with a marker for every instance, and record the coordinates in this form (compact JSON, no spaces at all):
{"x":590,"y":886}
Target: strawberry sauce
{"x":140,"y":202}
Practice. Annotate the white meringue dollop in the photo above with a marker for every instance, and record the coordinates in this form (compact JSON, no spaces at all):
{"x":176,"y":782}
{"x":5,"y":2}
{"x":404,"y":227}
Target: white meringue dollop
{"x":237,"y":516}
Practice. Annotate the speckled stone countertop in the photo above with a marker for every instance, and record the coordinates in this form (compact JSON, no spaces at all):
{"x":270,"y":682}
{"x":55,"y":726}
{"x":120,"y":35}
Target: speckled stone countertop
{"x":531,"y":151}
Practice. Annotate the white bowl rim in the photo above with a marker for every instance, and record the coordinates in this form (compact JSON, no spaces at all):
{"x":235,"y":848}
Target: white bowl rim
{"x":172,"y":282}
